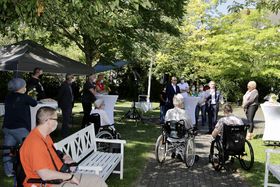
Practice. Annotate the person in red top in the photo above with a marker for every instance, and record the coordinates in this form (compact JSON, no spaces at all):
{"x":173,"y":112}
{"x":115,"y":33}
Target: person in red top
{"x":100,"y":87}
{"x":40,"y":160}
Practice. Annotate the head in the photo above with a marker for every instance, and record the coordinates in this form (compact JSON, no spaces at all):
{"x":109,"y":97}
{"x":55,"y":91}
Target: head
{"x":37,"y":71}
{"x":251,"y":85}
{"x":99,"y":104}
{"x":201,"y":88}
{"x":182,"y":80}
{"x":100,"y":77}
{"x":47,"y":118}
{"x":227,"y":109}
{"x":174,"y":80}
{"x":92,"y":78}
{"x":69,"y":78}
{"x":212,"y":85}
{"x":178,"y":101}
{"x":17,"y":85}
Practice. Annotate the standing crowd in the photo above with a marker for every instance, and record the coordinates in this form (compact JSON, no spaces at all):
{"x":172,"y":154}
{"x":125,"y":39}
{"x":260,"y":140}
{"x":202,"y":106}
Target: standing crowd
{"x":209,"y":100}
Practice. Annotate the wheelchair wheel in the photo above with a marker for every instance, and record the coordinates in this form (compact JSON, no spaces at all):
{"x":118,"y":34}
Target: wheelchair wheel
{"x":189,"y":156}
{"x":216,"y":156}
{"x":161,"y":148}
{"x":102,"y":146}
{"x":247,"y":158}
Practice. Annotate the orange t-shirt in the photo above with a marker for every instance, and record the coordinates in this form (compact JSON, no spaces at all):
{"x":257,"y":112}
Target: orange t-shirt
{"x":34,"y":155}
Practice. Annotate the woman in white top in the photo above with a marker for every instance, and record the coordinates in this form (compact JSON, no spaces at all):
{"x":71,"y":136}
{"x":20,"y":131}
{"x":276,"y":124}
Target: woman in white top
{"x":250,"y":105}
{"x":99,"y":109}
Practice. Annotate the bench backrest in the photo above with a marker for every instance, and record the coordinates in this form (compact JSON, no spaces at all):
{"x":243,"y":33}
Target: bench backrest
{"x":79,"y":144}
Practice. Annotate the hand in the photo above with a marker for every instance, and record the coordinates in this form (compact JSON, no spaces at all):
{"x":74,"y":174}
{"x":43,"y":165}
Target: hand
{"x":67,"y":159}
{"x":74,"y":180}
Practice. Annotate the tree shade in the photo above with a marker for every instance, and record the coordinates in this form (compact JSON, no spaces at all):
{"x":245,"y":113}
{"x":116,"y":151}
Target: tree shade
{"x":24,"y":56}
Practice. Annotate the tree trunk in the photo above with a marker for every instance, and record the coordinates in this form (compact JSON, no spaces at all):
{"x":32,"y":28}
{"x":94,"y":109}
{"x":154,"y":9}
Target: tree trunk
{"x":91,"y":50}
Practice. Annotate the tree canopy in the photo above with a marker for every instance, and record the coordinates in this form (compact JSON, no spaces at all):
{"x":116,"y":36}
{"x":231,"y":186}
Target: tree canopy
{"x":103,"y":30}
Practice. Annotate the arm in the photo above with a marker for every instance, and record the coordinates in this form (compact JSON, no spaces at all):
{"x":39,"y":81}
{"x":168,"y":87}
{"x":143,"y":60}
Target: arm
{"x":251,"y":99}
{"x":61,"y":92}
{"x":47,"y":174}
{"x":30,"y":101}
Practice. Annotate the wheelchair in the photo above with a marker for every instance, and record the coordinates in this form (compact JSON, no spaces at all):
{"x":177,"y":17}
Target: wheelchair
{"x":232,"y":144}
{"x":104,"y":132}
{"x":175,"y":138}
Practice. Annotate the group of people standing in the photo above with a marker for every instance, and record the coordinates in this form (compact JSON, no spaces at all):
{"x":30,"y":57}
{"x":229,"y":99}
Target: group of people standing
{"x":209,"y":102}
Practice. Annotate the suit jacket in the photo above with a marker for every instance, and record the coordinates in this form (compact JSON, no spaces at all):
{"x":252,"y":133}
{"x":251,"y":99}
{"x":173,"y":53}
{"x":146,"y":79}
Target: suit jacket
{"x":209,"y":98}
{"x":65,"y":95}
{"x":170,"y":92}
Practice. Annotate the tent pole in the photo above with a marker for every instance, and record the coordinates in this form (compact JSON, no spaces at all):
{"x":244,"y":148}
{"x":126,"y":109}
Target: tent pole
{"x":149,"y":80}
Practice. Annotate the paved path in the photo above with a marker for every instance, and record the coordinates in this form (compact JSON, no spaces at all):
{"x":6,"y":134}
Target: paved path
{"x":174,"y":172}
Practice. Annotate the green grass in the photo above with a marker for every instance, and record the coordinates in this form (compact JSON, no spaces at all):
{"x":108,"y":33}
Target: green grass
{"x":255,"y":177}
{"x":140,"y":139}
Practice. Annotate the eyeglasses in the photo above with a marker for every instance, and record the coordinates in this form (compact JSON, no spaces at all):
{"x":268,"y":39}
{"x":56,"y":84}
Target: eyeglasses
{"x":53,"y":119}
{"x":174,"y":80}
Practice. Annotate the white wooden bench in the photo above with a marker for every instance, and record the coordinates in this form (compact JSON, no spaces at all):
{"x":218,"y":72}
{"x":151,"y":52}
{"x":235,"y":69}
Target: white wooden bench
{"x":81,"y":146}
{"x":272,"y":168}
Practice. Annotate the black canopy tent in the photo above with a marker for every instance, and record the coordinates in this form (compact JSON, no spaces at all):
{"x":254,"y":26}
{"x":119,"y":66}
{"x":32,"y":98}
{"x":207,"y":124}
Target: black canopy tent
{"x":24,"y":56}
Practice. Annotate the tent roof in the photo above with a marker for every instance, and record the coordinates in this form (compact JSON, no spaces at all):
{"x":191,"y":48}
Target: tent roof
{"x":24,"y":56}
{"x":101,"y":67}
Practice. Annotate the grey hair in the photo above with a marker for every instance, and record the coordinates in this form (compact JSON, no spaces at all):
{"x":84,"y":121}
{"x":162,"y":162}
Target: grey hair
{"x":178,"y":100}
{"x":252,"y":84}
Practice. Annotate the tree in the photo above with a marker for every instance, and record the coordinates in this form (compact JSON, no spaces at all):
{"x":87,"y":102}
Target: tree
{"x":103,"y":30}
{"x":231,"y":49}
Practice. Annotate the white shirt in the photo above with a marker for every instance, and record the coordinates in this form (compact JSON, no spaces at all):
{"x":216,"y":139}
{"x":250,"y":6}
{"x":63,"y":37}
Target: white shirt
{"x":213,"y":99}
{"x":104,"y":119}
{"x":178,"y":114}
{"x":183,"y":86}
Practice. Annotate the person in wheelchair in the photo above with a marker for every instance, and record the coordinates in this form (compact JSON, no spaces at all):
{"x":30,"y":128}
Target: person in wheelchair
{"x":178,"y":114}
{"x":229,"y":141}
{"x":229,"y":119}
{"x":104,"y":121}
{"x":40,"y":160}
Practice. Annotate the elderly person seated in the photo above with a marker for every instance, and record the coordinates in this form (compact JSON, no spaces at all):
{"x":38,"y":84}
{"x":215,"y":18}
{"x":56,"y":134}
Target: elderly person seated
{"x":40,"y":160}
{"x":99,"y":105}
{"x":229,"y":119}
{"x":178,"y":113}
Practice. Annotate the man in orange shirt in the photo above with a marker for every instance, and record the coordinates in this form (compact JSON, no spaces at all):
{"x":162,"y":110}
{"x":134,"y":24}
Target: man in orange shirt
{"x":40,"y":161}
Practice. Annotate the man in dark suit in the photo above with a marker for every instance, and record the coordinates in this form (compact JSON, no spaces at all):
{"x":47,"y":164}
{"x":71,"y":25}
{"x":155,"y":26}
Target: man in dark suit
{"x":212,"y":100}
{"x":171,"y":90}
{"x":65,"y":99}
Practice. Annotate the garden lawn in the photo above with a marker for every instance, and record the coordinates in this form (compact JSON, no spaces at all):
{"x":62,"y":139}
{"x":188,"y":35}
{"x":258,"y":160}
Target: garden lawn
{"x":140,"y":138}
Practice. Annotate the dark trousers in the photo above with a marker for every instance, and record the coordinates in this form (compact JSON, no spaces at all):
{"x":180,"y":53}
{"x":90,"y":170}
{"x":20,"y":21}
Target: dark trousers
{"x":212,"y":116}
{"x":250,"y":114}
{"x":87,"y":107}
{"x":66,"y":118}
{"x":162,"y":113}
{"x":199,"y":108}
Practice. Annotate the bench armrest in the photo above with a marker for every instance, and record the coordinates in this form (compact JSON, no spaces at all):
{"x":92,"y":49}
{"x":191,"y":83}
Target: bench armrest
{"x":110,"y":140}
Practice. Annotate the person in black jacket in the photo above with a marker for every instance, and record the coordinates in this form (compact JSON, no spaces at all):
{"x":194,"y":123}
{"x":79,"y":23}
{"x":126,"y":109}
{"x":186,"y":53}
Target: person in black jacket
{"x":34,"y":83}
{"x":65,"y":99}
{"x":171,"y":90}
{"x":17,"y":120}
{"x":88,"y":97}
